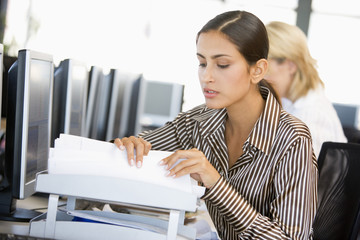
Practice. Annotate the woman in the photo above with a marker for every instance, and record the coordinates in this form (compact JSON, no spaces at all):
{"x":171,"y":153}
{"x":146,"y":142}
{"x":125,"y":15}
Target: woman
{"x":292,"y":71}
{"x":255,"y":160}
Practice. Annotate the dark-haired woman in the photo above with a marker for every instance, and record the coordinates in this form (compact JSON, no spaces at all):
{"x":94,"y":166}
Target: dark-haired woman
{"x":255,"y":159}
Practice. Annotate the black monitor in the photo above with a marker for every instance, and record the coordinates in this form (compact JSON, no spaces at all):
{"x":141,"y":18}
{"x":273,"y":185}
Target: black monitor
{"x":95,"y":76}
{"x":349,"y":115}
{"x":71,"y":80}
{"x":1,"y":77}
{"x":137,"y":89}
{"x":98,"y":103}
{"x":2,"y":131}
{"x":28,"y":120}
{"x":160,"y":102}
{"x":8,"y":61}
{"x":120,"y":102}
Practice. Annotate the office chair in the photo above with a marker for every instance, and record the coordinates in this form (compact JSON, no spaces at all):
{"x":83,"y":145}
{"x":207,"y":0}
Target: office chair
{"x":338,"y":216}
{"x":352,"y":134}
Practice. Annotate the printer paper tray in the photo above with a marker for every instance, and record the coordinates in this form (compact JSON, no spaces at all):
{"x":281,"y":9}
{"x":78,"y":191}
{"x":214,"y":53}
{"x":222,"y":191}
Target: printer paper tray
{"x":68,"y":229}
{"x":116,"y":190}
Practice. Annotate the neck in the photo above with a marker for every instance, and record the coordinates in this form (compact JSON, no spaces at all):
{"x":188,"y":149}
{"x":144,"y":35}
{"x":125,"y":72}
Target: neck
{"x":242,"y":118}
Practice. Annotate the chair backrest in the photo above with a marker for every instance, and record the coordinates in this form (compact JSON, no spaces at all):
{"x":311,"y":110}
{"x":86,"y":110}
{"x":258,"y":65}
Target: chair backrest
{"x":337,"y":216}
{"x":352,"y":134}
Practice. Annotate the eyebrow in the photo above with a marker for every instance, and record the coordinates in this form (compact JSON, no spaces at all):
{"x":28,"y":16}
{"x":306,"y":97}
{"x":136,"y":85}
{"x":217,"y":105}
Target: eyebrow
{"x":213,"y":57}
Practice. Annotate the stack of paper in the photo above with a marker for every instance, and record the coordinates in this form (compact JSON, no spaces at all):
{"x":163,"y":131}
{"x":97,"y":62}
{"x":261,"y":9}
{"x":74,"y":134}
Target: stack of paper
{"x":84,"y":156}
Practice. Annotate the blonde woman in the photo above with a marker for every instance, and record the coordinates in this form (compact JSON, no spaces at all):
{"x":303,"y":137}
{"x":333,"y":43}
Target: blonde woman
{"x":293,"y":73}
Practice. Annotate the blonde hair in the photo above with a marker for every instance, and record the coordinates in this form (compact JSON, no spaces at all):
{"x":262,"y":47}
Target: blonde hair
{"x":289,"y":42}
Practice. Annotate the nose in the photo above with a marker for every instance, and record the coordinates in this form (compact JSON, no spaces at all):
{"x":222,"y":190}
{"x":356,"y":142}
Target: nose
{"x":206,"y":75}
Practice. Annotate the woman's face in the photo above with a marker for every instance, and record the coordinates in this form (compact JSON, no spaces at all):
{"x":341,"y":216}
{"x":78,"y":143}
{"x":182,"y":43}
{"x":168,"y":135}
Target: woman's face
{"x":223,"y":71}
{"x":280,"y":75}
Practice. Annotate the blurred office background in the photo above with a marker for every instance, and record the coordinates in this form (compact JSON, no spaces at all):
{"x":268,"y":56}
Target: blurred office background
{"x":157,"y":37}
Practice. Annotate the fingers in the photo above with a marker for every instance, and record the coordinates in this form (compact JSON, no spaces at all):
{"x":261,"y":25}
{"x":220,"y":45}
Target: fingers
{"x":185,"y":167}
{"x":195,"y":163}
{"x":181,"y":154}
{"x":139,"y":146}
{"x":129,"y":146}
{"x":133,"y":144}
{"x":147,"y":146}
{"x":118,"y":143}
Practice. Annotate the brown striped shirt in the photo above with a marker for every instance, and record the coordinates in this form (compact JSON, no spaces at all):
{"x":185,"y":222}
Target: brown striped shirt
{"x":271,"y":191}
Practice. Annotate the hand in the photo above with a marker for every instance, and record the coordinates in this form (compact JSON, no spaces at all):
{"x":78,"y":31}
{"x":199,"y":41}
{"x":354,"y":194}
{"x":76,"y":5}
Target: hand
{"x":195,"y":164}
{"x":132,"y":143}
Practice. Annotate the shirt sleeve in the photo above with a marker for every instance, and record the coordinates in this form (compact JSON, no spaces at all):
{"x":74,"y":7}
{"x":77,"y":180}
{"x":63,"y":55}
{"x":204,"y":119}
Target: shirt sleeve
{"x":172,"y":136}
{"x":293,"y":207}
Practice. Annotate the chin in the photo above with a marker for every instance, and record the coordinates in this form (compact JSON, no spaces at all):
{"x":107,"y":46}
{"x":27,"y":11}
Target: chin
{"x":214,"y":105}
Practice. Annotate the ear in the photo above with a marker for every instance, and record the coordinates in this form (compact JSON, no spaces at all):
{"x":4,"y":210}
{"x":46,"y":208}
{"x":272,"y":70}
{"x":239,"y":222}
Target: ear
{"x":292,"y":67}
{"x":259,"y":70}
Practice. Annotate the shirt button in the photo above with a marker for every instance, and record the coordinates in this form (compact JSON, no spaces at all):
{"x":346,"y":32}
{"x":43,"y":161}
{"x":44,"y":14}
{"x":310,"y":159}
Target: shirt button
{"x":221,"y":228}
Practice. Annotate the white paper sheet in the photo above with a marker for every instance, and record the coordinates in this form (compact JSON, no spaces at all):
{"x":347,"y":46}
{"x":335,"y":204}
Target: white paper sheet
{"x":79,"y":155}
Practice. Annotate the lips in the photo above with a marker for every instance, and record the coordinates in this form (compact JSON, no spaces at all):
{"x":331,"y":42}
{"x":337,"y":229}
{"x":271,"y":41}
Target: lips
{"x":209,"y":93}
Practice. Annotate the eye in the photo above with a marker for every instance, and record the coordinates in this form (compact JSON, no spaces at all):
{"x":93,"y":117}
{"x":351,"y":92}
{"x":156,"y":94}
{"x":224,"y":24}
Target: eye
{"x":223,"y":66}
{"x":202,"y":65}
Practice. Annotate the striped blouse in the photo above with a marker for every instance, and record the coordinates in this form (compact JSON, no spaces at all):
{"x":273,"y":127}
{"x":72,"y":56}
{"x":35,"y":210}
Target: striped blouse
{"x":271,"y":191}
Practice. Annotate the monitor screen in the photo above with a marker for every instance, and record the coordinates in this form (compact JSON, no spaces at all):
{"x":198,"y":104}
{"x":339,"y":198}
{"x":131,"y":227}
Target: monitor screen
{"x":30,"y":85}
{"x":155,"y":95}
{"x":161,"y":103}
{"x":119,"y":109}
{"x":69,"y":99}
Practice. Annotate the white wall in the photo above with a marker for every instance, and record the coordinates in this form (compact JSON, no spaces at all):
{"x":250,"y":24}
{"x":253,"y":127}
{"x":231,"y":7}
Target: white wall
{"x":157,"y":37}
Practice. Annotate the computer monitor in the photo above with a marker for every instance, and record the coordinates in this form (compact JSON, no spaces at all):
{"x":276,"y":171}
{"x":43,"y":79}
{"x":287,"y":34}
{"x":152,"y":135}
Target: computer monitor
{"x":8,"y":61}
{"x":136,"y":100}
{"x":349,"y":115}
{"x":99,"y":102}
{"x":2,"y":130}
{"x":30,"y":85}
{"x":71,"y":80}
{"x":119,"y":109}
{"x":96,"y":73}
{"x":1,"y":77}
{"x":161,"y":102}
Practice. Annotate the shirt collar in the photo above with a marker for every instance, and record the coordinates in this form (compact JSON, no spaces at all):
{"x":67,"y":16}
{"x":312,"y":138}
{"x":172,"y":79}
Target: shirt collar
{"x":264,"y":132}
{"x":210,"y":120}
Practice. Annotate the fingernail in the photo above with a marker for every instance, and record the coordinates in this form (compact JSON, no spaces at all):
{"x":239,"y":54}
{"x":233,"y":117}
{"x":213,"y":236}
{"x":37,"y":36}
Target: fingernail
{"x":122,"y":147}
{"x":131,"y":162}
{"x":138,"y":164}
{"x":161,"y":163}
{"x":167,"y":174}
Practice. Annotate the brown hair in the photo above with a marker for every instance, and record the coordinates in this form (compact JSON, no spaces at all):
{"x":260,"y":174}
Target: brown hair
{"x":247,"y":32}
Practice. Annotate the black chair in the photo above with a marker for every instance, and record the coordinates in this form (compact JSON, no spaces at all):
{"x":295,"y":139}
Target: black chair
{"x":352,"y":134}
{"x":338,"y":216}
